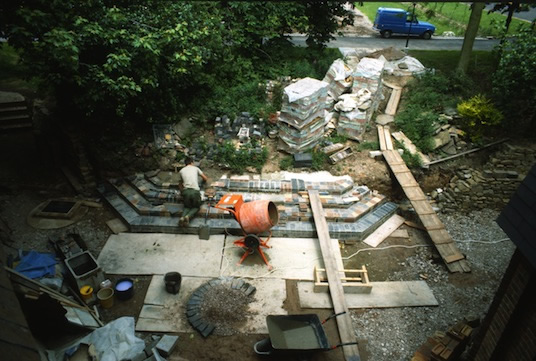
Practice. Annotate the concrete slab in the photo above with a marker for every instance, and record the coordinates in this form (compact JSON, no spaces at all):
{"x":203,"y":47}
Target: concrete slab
{"x":164,"y":312}
{"x":155,"y":253}
{"x":291,"y":258}
{"x":383,"y":295}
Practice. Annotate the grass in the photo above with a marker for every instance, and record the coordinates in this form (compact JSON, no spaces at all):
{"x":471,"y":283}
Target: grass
{"x":481,"y":67}
{"x":452,"y":16}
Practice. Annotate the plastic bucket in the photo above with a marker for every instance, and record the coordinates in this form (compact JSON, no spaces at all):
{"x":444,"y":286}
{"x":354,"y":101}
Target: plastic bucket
{"x":106,"y":297}
{"x":86,"y":292}
{"x":124,"y":289}
{"x":173,"y":282}
{"x":258,"y":216}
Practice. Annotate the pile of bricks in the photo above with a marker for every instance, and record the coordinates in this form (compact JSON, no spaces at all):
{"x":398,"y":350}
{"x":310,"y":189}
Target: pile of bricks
{"x":445,"y":346}
{"x":303,"y":115}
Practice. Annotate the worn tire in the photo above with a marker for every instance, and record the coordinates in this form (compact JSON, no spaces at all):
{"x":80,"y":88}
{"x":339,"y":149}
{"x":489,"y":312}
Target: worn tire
{"x":386,"y":34}
{"x":427,"y":35}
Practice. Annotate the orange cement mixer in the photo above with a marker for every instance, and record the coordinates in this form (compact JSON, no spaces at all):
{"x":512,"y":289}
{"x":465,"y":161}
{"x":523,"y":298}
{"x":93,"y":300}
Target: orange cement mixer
{"x":254,"y":218}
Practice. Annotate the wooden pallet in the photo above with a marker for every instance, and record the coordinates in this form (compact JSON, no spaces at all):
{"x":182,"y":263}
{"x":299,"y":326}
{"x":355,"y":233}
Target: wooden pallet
{"x":353,"y":280}
{"x":340,"y":155}
{"x":446,"y":247}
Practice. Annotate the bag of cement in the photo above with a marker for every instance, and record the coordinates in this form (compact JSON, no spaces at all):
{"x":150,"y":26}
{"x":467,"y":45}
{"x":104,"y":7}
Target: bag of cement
{"x":406,"y":66}
{"x":339,"y":77}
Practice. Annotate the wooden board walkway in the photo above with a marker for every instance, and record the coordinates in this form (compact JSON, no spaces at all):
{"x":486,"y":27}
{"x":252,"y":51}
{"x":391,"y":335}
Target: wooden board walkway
{"x":332,"y":265}
{"x":446,"y":247}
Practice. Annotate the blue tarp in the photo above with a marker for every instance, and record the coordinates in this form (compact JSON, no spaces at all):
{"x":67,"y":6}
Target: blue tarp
{"x":37,"y":265}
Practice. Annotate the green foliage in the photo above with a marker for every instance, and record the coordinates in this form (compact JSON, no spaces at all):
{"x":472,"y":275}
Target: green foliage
{"x":478,"y":114}
{"x":425,"y":99}
{"x":286,"y":162}
{"x":154,"y":61}
{"x":337,"y":138}
{"x":368,"y":146}
{"x":514,"y":82}
{"x":240,"y":159}
{"x":320,"y":160}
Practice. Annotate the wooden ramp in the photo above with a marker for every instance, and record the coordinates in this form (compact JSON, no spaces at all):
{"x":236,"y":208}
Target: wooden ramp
{"x":446,"y":247}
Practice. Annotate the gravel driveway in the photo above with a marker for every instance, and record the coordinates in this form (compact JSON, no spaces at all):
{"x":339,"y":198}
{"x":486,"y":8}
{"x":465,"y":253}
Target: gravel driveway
{"x":395,"y":334}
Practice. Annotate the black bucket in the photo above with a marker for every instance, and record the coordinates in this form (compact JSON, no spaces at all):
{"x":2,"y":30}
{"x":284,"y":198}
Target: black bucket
{"x":173,"y":282}
{"x":124,"y":289}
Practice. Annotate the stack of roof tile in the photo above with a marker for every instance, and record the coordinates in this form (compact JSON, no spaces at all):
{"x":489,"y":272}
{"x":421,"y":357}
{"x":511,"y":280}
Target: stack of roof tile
{"x":302,"y":119}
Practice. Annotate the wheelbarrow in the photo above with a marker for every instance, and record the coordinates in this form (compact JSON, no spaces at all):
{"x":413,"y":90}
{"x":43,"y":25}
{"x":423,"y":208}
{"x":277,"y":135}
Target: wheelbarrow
{"x":296,"y":335}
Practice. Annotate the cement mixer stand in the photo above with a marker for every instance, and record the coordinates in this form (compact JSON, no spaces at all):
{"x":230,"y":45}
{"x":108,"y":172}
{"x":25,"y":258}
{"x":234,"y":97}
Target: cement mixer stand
{"x":254,"y":218}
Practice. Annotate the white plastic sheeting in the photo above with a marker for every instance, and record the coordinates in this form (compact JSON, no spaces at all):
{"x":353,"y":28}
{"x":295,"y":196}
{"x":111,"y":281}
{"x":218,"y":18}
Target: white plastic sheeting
{"x":412,"y":67}
{"x":305,"y":88}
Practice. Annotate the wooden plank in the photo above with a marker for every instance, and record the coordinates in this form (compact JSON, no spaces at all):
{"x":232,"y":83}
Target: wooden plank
{"x":117,"y":226}
{"x":381,"y":138}
{"x":344,"y":322}
{"x":446,"y":247}
{"x":388,"y":140}
{"x":383,"y":231}
{"x":408,"y":144}
{"x":392,"y":104}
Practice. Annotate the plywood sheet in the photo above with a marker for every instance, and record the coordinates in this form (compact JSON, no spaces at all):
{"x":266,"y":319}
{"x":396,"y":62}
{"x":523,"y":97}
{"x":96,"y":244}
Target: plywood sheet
{"x":164,"y":312}
{"x":155,"y":253}
{"x":291,"y":258}
{"x":383,"y":295}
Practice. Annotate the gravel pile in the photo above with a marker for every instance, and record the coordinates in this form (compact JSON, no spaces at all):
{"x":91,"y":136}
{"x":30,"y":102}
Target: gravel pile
{"x":226,"y":308}
{"x":396,"y":333}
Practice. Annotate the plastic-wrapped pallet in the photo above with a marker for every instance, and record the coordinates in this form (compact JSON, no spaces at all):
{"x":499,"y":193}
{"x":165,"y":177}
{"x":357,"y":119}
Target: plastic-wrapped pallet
{"x":339,"y":77}
{"x":368,"y":75}
{"x":352,"y":124}
{"x":302,"y":119}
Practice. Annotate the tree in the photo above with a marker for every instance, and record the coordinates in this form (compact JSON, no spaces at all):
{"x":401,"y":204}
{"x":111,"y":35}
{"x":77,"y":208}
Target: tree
{"x":510,"y":8}
{"x":150,"y":59}
{"x":514,"y":81}
{"x":470,"y":35}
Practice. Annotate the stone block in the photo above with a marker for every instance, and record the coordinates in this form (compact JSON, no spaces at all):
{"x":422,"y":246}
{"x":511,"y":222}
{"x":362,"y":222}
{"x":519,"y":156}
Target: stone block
{"x":167,"y":344}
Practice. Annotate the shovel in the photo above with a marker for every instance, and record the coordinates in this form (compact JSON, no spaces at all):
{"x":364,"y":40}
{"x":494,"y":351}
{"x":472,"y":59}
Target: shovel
{"x":204,"y":230}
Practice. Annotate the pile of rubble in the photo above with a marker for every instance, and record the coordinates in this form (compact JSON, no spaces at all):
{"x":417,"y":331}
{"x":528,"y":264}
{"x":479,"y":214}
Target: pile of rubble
{"x":242,"y":127}
{"x":492,"y":188}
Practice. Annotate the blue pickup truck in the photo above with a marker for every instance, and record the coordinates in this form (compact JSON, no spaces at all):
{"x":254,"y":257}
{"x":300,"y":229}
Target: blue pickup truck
{"x":397,"y":21}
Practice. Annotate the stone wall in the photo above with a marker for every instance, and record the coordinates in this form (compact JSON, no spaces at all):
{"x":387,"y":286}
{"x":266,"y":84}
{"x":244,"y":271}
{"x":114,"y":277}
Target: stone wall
{"x":490,"y":187}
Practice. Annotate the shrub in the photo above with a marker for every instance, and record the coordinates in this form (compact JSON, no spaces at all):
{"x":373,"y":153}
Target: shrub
{"x":286,"y":162}
{"x":239,"y":159}
{"x":478,"y":114}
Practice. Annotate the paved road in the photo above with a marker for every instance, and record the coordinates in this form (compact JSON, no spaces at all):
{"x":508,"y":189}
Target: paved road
{"x":415,"y":43}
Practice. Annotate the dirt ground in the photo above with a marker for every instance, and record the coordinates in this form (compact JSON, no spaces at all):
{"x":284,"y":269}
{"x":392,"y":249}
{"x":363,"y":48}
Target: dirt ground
{"x":29,"y":176}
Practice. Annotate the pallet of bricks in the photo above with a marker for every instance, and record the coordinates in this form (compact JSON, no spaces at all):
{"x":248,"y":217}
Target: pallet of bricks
{"x":445,"y":346}
{"x":303,"y":115}
{"x":367,"y":75}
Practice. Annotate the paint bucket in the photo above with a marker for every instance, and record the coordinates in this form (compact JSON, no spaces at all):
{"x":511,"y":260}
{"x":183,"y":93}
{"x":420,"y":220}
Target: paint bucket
{"x":258,"y":216}
{"x":173,"y":282}
{"x":106,"y":297}
{"x":124,"y":289}
{"x":86,"y":292}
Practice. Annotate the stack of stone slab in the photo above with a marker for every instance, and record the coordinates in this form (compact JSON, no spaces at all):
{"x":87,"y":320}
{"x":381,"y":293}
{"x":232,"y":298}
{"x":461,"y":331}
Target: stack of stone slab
{"x":367,"y":75}
{"x":302,"y":120}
